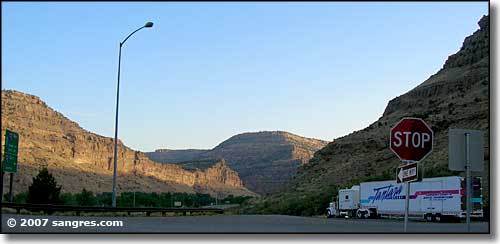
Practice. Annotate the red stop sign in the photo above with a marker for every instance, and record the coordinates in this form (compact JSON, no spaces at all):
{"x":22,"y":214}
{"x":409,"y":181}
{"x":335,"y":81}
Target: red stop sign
{"x":411,"y":139}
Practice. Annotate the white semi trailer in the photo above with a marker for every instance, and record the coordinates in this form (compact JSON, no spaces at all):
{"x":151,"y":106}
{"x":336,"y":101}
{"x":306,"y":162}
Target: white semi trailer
{"x":432,"y":198}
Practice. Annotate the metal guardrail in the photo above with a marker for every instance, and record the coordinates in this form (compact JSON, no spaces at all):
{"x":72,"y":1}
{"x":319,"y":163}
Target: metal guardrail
{"x":49,"y":209}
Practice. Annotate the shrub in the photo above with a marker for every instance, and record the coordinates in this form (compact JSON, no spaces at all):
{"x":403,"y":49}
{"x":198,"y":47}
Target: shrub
{"x":86,"y":198}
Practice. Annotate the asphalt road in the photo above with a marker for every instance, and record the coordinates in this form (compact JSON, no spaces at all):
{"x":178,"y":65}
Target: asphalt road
{"x":233,"y":223}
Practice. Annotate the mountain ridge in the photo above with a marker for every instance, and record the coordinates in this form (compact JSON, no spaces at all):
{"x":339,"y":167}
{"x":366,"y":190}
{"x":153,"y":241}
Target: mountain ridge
{"x":80,"y":158}
{"x":457,"y":96}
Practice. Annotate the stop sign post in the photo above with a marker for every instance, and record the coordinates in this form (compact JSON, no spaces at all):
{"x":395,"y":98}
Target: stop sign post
{"x":411,"y":139}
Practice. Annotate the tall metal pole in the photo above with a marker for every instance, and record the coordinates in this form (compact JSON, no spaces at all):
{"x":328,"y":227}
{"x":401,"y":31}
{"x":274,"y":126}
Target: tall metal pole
{"x":468,"y":179}
{"x":113,"y":196}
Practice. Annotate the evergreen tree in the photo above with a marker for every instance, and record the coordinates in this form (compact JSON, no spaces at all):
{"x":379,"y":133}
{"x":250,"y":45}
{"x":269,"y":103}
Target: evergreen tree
{"x":44,"y":189}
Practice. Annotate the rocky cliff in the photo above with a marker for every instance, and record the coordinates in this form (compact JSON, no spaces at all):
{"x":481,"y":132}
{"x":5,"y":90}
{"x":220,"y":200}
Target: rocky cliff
{"x":265,"y":161}
{"x":79,"y":158}
{"x":457,"y":96}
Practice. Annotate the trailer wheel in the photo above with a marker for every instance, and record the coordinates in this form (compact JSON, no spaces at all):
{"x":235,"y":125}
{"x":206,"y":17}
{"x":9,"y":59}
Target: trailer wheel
{"x":438,"y":218}
{"x":428,"y":217}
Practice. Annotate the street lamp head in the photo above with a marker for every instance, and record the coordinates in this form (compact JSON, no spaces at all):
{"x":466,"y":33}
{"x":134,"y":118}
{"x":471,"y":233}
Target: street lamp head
{"x":148,"y":25}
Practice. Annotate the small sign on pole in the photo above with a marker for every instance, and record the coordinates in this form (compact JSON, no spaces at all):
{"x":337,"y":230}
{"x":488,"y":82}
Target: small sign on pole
{"x":457,"y":149}
{"x":407,"y":173}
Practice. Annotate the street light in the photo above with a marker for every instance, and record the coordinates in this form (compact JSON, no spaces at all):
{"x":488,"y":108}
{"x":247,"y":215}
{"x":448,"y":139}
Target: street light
{"x":147,"y":25}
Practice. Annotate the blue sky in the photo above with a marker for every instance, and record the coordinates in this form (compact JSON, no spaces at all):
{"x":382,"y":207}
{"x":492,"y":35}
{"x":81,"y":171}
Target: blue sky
{"x":207,"y":71}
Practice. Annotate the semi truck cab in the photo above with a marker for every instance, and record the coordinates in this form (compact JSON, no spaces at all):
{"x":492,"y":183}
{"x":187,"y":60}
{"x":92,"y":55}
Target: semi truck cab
{"x":346,"y":204}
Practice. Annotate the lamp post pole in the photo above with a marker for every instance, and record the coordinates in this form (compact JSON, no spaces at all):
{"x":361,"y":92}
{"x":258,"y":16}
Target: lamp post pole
{"x":113,"y":196}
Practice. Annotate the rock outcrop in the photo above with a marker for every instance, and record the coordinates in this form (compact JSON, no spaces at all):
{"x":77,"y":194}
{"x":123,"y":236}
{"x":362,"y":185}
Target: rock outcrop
{"x":79,"y":158}
{"x":266,"y":161}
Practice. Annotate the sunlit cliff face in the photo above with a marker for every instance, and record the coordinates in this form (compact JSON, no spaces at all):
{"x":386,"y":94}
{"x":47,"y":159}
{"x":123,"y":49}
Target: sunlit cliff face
{"x":79,"y":158}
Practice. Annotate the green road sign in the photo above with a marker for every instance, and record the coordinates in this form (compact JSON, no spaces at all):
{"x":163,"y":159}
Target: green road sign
{"x":10,"y":151}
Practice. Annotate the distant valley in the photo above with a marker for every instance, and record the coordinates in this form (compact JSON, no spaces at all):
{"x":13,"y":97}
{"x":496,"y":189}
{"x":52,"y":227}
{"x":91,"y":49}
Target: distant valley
{"x":265,"y":161}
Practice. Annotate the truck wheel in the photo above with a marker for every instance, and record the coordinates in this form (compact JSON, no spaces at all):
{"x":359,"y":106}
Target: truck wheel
{"x":373,"y":214}
{"x":428,"y":217}
{"x":360,"y":215}
{"x":328,"y":214}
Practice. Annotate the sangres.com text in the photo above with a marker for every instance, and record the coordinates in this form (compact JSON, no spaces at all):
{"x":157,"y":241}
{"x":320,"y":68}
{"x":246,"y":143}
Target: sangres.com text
{"x":69,"y":223}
